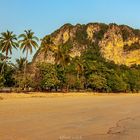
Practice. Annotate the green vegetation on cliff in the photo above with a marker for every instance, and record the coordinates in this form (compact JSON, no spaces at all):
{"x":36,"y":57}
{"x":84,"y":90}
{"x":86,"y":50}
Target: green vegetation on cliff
{"x":91,"y":72}
{"x":93,"y":57}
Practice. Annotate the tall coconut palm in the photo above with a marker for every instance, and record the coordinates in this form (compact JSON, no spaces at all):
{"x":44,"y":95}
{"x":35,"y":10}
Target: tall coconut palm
{"x":62,"y":56}
{"x":20,"y":64}
{"x":8,"y":41}
{"x":19,"y":72}
{"x":27,"y":42}
{"x":2,"y":57}
{"x":47,"y":45}
{"x":79,"y":66}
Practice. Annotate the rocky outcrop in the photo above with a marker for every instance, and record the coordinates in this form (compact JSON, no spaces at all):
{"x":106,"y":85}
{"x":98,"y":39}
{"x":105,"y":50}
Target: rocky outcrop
{"x":118,"y":43}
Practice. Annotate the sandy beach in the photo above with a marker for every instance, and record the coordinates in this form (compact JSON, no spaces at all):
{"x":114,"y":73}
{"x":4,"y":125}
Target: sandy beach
{"x":69,"y":116}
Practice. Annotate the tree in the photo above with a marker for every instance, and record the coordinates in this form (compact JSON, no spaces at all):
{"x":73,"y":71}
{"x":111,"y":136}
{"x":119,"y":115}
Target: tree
{"x":75,"y":74}
{"x":47,"y":76}
{"x":116,"y":83}
{"x":74,"y":83}
{"x":133,"y":79}
{"x":27,"y":43}
{"x":2,"y":80}
{"x":8,"y":75}
{"x":8,"y":41}
{"x":97,"y":82}
{"x":79,"y":66}
{"x":62,"y":58}
{"x":2,"y":57}
{"x":6,"y":78}
{"x":47,"y":45}
{"x":61,"y":76}
{"x":20,"y":64}
{"x":19,"y":72}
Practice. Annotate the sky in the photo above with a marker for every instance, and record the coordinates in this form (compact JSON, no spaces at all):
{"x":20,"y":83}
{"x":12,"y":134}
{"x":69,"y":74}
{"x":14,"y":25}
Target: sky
{"x":45,"y":16}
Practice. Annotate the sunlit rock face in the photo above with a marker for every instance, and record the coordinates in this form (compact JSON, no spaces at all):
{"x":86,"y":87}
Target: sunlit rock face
{"x":118,"y":43}
{"x":113,"y":46}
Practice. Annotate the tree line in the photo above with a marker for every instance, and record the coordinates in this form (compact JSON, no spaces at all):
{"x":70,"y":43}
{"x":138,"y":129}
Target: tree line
{"x":8,"y":71}
{"x":87,"y":72}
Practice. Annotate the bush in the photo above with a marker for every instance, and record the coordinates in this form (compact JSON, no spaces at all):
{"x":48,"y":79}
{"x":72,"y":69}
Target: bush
{"x":48,"y":76}
{"x":2,"y":80}
{"x":116,"y":83}
{"x":97,"y":82}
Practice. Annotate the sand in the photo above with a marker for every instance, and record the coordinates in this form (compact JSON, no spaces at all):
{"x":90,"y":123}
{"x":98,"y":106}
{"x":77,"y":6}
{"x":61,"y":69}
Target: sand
{"x":69,"y":117}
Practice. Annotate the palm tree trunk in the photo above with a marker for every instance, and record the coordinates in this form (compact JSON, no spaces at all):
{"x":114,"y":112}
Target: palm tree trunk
{"x":25,"y":71}
{"x":78,"y":75}
{"x":65,"y":87}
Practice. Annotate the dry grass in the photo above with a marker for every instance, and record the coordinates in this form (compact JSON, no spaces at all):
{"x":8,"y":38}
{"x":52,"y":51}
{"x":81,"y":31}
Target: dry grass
{"x":54,"y":95}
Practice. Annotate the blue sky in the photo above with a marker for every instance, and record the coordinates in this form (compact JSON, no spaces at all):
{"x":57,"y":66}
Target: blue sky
{"x":45,"y":16}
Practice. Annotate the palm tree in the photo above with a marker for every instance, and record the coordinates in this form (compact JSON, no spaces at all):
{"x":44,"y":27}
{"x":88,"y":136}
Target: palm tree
{"x":27,"y":43}
{"x":79,"y":66}
{"x":19,"y":75}
{"x":20,"y":64}
{"x":62,"y":56}
{"x":8,"y":41}
{"x":2,"y":57}
{"x":47,"y":45}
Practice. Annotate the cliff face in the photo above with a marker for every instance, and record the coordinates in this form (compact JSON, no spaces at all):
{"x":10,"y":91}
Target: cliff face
{"x":118,"y":43}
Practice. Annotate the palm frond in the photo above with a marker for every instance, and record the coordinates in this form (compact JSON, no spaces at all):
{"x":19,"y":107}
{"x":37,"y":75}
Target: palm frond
{"x":28,"y":41}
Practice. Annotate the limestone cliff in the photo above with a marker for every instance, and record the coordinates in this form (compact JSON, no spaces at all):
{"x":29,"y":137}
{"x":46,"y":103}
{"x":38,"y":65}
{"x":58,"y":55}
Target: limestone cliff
{"x":118,"y":43}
